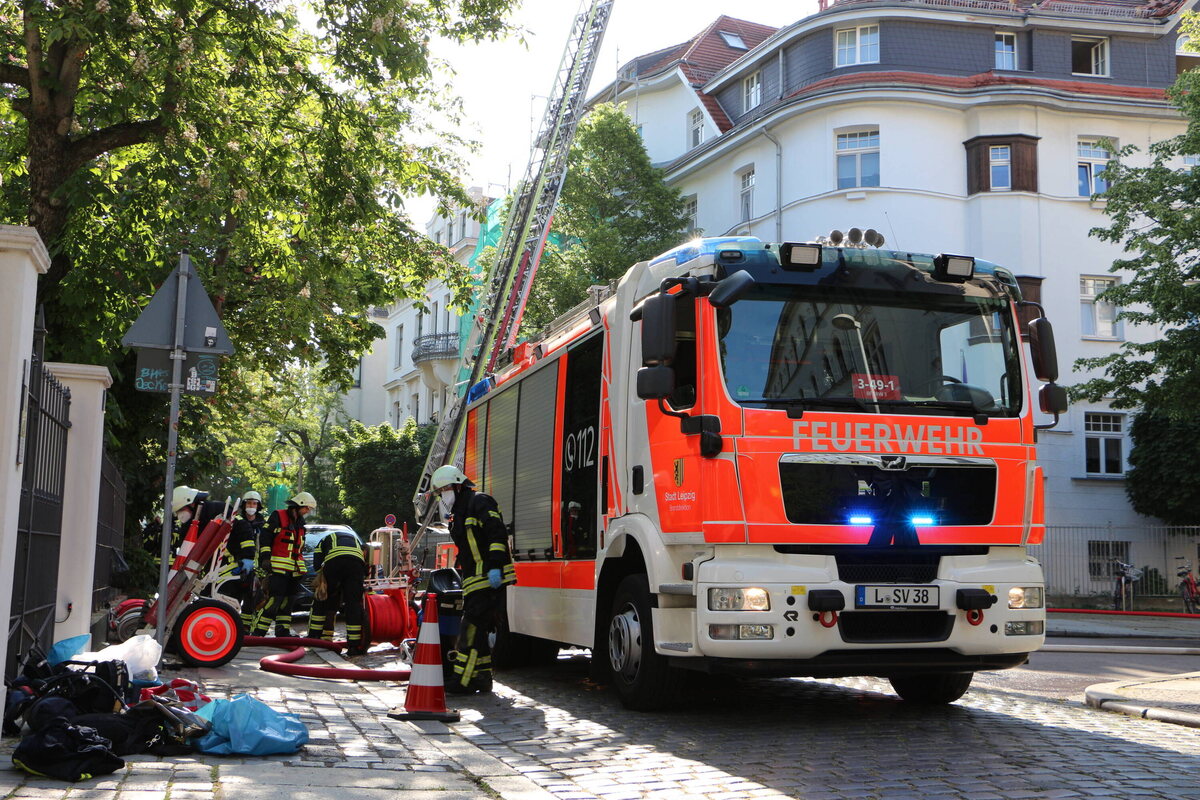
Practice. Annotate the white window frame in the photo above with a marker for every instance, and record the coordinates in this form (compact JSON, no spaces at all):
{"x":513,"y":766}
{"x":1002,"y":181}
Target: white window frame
{"x":691,"y":209}
{"x":1098,"y":318}
{"x":751,"y":91}
{"x":1000,"y":156}
{"x":1091,"y":158}
{"x":1099,"y":55}
{"x":853,"y":46}
{"x":399,"y":346}
{"x":695,"y":128}
{"x":746,"y":183}
{"x":446,"y":311}
{"x":1107,"y":430}
{"x":733,"y":40}
{"x":854,"y":143}
{"x":1000,"y":54}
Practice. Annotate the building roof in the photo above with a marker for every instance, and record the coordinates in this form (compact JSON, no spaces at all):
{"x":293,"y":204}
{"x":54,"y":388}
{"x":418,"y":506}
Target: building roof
{"x":703,"y":56}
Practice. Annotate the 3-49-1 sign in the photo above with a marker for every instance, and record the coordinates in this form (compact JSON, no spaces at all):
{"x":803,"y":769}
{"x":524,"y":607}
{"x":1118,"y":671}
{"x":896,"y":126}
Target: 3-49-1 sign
{"x":876,"y":387}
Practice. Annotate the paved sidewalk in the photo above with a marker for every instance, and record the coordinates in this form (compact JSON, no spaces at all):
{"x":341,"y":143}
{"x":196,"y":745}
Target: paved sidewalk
{"x":355,"y":752}
{"x":1171,"y":698}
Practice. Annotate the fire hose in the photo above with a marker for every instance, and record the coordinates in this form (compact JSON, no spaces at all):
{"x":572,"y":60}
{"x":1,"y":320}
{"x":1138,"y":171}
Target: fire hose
{"x":281,"y":663}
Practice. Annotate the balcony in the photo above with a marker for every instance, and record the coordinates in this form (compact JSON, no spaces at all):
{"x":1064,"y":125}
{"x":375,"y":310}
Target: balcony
{"x":435,"y":346}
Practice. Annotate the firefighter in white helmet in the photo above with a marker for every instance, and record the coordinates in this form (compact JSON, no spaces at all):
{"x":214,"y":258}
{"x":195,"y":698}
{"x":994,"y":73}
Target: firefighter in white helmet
{"x":485,"y":565}
{"x":236,"y":577}
{"x":280,"y":555}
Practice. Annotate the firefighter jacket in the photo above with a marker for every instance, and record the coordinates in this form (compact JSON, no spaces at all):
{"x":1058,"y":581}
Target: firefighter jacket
{"x":336,"y":545}
{"x":482,"y":540}
{"x":281,"y":548}
{"x":242,"y":544}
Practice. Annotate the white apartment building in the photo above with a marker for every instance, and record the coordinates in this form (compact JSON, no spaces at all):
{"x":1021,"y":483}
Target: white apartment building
{"x":410,"y":372}
{"x":960,"y":126}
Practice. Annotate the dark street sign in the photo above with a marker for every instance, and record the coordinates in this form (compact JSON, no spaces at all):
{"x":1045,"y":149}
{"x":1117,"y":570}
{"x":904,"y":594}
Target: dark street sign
{"x":154,"y":372}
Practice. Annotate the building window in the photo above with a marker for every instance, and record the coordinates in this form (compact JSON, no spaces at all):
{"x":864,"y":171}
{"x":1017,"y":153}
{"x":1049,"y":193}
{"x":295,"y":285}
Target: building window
{"x":1093,"y":158}
{"x":357,"y":380}
{"x":858,"y":46}
{"x":399,"y":345}
{"x":415,"y":408}
{"x":1098,"y":316}
{"x":1101,"y":556}
{"x":462,"y":224}
{"x":1006,"y":51}
{"x":1089,"y":56}
{"x":433,"y":318}
{"x":1104,"y":440}
{"x":733,"y":40}
{"x":858,"y":159}
{"x":396,"y":412}
{"x":446,"y":307}
{"x":751,"y":91}
{"x":450,"y":232}
{"x":690,"y":207}
{"x":1000,"y":157}
{"x":695,"y":128}
{"x":746,"y":195}
{"x":1190,"y":162}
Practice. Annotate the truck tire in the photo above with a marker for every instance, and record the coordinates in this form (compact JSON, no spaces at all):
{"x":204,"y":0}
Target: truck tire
{"x":643,"y":678}
{"x":932,"y":689}
{"x":207,"y":634}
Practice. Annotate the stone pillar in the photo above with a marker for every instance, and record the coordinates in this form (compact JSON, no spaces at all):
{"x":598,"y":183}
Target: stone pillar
{"x":81,"y":495}
{"x":23,"y":258}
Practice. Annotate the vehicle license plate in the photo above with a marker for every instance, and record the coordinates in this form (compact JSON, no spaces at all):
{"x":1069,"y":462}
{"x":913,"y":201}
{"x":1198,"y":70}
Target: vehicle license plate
{"x":896,"y":596}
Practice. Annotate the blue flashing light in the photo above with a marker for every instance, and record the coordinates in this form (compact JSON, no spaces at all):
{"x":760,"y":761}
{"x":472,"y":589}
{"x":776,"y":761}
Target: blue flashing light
{"x":860,"y":519}
{"x":922,"y":520}
{"x":710,"y":246}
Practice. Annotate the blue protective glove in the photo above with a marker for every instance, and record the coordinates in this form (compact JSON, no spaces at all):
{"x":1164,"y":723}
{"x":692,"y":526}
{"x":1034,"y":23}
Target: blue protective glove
{"x":494,"y":578}
{"x":247,"y":566}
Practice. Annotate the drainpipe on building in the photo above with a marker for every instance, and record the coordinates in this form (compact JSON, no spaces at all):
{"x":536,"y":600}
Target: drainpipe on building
{"x":778,"y":185}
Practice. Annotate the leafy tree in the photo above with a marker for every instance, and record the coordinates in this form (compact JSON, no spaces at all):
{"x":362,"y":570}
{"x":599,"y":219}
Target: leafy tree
{"x":1162,"y":464}
{"x":1154,"y":213}
{"x":378,"y":469}
{"x":278,"y":154}
{"x":615,"y":210}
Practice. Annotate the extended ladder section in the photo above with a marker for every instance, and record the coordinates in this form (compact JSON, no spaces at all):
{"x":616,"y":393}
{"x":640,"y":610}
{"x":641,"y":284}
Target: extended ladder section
{"x":511,"y":276}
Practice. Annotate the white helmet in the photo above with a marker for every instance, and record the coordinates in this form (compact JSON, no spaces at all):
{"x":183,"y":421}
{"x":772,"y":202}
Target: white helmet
{"x":305,"y":499}
{"x":182,"y":497}
{"x":252,"y":495}
{"x":447,"y":475}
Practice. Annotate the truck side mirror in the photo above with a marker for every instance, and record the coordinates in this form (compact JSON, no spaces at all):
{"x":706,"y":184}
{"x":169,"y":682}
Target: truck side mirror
{"x":731,"y":289}
{"x":1041,"y":346}
{"x":1052,"y":399}
{"x":658,"y":330}
{"x":655,"y":382}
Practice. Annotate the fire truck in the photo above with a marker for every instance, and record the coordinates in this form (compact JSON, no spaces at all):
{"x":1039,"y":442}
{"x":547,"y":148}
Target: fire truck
{"x":785,"y":459}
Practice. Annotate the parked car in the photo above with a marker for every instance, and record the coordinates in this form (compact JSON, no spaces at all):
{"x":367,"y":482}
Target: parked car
{"x":313,"y":534}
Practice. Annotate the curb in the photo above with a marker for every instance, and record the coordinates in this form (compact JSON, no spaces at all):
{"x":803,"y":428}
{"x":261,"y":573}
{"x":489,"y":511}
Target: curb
{"x":1106,"y":697}
{"x":1099,"y":648}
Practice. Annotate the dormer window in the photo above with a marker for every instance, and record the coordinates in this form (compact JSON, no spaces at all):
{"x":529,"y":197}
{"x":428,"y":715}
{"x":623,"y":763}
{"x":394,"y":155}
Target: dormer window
{"x":752,"y":91}
{"x":1089,"y":56}
{"x":858,"y":46}
{"x":733,"y":40}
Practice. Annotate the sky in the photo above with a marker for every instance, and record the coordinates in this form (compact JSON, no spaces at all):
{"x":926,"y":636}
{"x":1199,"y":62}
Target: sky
{"x":503,"y":84}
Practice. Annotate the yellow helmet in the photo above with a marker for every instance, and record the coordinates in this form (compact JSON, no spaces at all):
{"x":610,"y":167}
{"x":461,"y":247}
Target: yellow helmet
{"x":305,"y":499}
{"x":447,"y":475}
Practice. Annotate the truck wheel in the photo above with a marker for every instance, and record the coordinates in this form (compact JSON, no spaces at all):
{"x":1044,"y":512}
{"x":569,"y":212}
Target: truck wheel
{"x":643,"y":678}
{"x":207,"y":634}
{"x":935,"y":689}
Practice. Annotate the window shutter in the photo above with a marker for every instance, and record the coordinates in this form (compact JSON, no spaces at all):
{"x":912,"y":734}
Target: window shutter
{"x":1023,"y":154}
{"x":1024,"y":164}
{"x":978,"y":175}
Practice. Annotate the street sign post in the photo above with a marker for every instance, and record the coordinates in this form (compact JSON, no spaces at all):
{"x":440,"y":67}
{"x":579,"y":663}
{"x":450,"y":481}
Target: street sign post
{"x":178,"y":327}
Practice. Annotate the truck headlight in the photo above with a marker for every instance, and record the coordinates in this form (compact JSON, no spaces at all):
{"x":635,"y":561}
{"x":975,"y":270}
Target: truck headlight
{"x":730,"y":632}
{"x":1030,"y":628}
{"x":1025,"y":597}
{"x":748,"y":599}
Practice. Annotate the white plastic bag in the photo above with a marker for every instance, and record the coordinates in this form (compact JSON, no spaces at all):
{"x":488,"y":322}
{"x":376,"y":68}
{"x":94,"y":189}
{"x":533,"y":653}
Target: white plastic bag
{"x":140,"y":653}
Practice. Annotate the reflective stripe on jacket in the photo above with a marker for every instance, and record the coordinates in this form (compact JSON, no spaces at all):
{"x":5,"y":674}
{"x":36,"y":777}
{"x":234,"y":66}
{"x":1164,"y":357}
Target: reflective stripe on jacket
{"x":478,"y":530}
{"x":283,"y":539}
{"x":335,"y":545}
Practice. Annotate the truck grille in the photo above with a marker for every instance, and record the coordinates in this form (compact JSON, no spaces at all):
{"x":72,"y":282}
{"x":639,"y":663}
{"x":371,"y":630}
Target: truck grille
{"x":864,"y":627}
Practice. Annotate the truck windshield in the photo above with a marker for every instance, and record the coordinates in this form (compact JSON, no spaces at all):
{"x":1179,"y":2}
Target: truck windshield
{"x":846,"y":349}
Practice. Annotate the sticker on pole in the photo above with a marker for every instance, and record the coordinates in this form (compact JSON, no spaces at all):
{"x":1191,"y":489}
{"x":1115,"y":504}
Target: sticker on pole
{"x":390,"y":520}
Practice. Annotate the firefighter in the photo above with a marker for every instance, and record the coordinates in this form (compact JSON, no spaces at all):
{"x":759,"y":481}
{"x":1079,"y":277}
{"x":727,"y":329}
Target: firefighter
{"x":192,"y":509}
{"x":339,"y":558}
{"x":485,"y":566}
{"x":236,"y":576}
{"x":280,"y":558}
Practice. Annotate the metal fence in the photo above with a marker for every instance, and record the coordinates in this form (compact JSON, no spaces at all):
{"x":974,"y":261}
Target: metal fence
{"x":1079,"y":560}
{"x":45,"y":420}
{"x":110,"y":533}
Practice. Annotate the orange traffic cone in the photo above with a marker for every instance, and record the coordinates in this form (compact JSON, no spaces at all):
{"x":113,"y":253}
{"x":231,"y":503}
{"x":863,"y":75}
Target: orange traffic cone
{"x":426,"y":697}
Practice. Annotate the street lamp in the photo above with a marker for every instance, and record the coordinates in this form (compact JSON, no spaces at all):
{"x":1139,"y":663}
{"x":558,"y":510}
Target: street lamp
{"x":846,"y":322}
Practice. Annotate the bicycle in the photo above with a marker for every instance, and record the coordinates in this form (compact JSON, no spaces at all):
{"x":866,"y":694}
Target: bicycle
{"x":1127,"y":575}
{"x":1188,"y":590}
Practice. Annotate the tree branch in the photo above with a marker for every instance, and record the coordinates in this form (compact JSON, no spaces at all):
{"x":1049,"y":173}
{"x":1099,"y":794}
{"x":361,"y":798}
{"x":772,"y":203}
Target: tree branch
{"x":68,"y":79}
{"x":12,"y":75}
{"x":113,"y":137}
{"x":38,"y":94}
